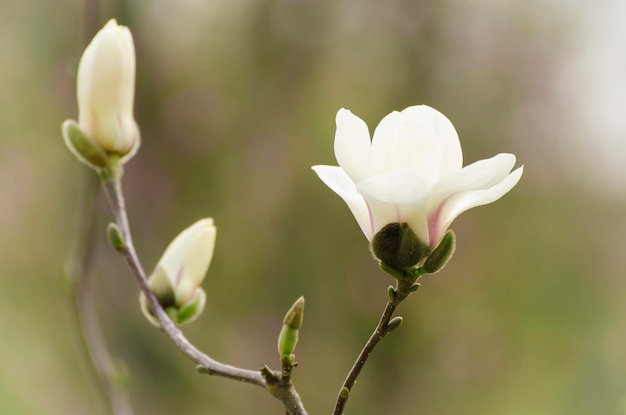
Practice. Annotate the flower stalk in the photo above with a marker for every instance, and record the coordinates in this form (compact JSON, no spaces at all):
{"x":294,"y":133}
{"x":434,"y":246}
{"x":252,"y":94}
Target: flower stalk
{"x":386,"y":324}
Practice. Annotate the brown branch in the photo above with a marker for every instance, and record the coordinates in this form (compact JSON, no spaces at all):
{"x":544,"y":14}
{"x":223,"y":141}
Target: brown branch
{"x":284,"y":391}
{"x":397,"y":295}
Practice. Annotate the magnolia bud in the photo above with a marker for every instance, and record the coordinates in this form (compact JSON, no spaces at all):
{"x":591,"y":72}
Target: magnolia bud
{"x":106,"y":91}
{"x":288,"y":337}
{"x":177,"y":277}
{"x":397,"y":246}
{"x":441,"y":254}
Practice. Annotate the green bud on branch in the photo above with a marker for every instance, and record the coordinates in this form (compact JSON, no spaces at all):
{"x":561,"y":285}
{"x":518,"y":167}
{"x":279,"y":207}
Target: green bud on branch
{"x":115,"y":237}
{"x":288,"y":337}
{"x":394,"y":323}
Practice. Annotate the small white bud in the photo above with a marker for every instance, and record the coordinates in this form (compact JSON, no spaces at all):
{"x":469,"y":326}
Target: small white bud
{"x":106,"y":91}
{"x":179,"y":273}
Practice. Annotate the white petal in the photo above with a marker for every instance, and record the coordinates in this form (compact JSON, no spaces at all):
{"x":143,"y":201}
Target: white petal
{"x":479,"y":175}
{"x":402,"y":141}
{"x":353,"y":147}
{"x":452,"y":155}
{"x":340,"y":183}
{"x":463,"y":201}
{"x":396,"y":197}
{"x":186,"y":259}
{"x":105,"y":89}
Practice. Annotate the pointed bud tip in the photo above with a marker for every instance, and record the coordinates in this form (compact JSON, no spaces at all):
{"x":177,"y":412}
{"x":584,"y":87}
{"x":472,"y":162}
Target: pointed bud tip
{"x":295,"y":315}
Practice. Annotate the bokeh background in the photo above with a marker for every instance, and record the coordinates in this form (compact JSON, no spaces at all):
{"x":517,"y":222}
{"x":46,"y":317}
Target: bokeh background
{"x":235,"y":101}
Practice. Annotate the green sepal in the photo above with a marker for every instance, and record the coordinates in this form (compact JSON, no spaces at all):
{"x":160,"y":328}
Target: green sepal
{"x":441,"y":254}
{"x":397,"y":274}
{"x":189,"y":311}
{"x":82,"y":147}
{"x":192,"y":309}
{"x":397,"y":245}
{"x":147,"y":310}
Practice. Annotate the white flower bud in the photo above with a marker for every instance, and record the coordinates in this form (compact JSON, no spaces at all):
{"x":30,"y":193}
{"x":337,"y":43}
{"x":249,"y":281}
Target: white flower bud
{"x":106,"y":91}
{"x":180,"y":271}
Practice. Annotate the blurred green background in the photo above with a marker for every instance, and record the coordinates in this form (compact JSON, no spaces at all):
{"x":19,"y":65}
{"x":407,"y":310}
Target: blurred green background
{"x":235,"y":101}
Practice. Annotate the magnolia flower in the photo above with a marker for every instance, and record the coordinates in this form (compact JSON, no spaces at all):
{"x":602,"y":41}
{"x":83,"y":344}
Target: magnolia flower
{"x":180,"y":271}
{"x":411,"y":172}
{"x":106,"y":91}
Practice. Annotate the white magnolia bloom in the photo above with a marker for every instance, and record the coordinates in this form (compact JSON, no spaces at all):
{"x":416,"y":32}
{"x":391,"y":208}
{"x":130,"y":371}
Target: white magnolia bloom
{"x":411,"y":171}
{"x":106,"y":90}
{"x":180,"y":271}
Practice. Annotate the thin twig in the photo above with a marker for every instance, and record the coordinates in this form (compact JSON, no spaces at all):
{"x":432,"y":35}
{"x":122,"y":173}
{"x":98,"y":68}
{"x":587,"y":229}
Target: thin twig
{"x":284,"y":391}
{"x":113,"y":191}
{"x":402,"y":290}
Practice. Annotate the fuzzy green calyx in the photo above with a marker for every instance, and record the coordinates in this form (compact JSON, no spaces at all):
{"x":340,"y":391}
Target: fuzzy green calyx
{"x":441,"y":254}
{"x":397,"y":246}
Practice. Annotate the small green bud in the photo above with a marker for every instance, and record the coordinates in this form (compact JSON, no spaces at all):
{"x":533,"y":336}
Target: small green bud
{"x":344,"y":392}
{"x":288,"y":337}
{"x":441,"y":254}
{"x":82,"y":147}
{"x":394,"y":323}
{"x":397,"y":246}
{"x":115,"y":237}
{"x":391,"y":293}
